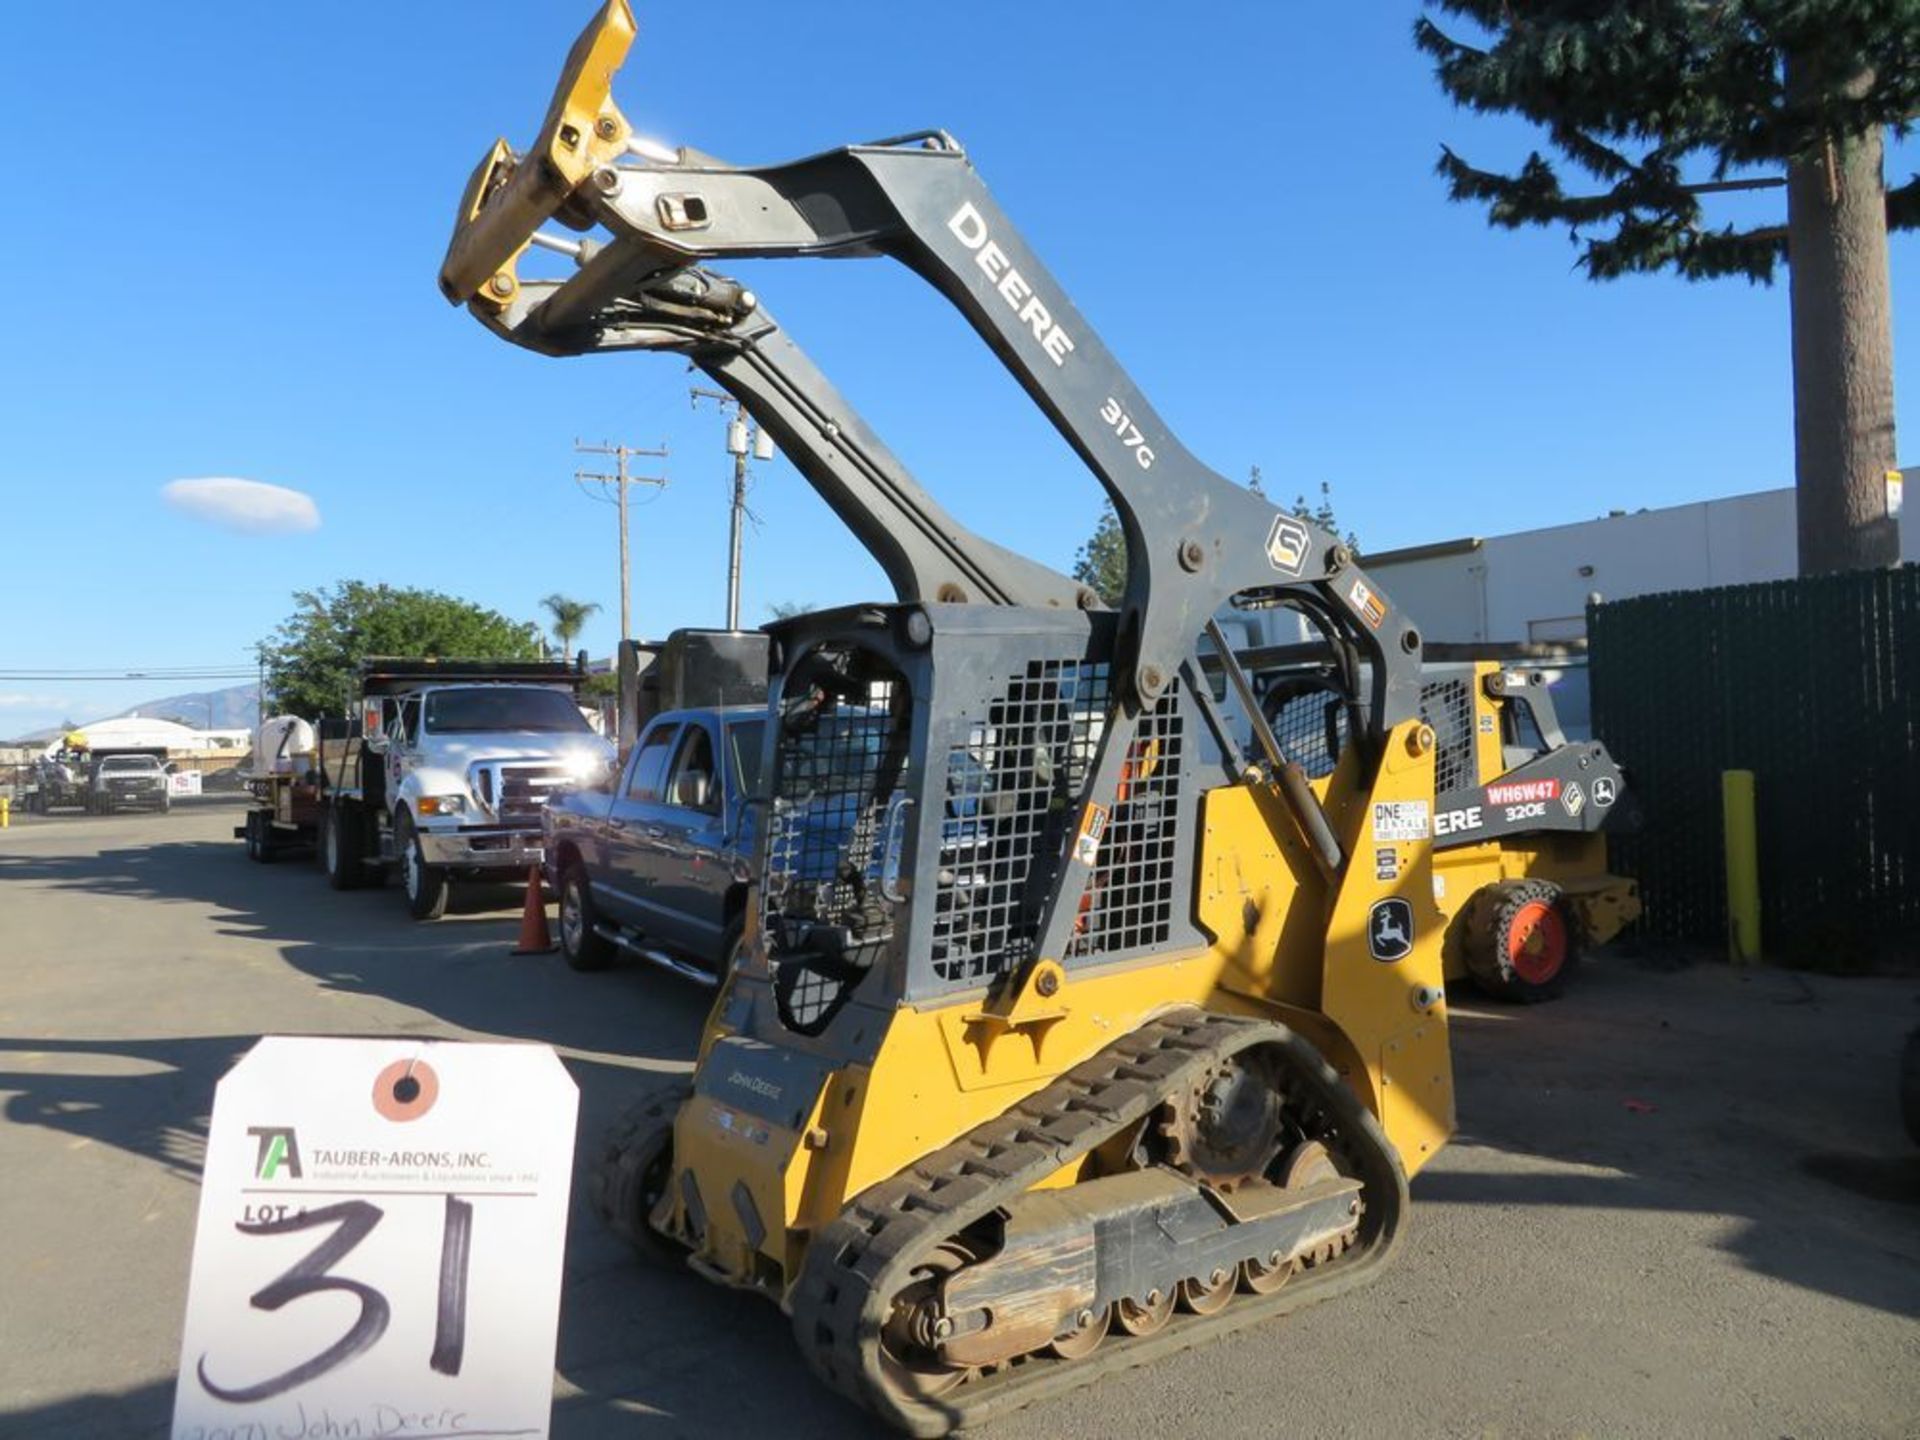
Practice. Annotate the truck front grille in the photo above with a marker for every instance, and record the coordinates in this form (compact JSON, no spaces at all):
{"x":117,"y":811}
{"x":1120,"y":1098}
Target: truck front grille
{"x":522,"y":791}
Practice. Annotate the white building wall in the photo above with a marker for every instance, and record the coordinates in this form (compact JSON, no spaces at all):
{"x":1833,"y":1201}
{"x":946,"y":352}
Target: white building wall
{"x":1446,"y":594}
{"x":1534,"y":585}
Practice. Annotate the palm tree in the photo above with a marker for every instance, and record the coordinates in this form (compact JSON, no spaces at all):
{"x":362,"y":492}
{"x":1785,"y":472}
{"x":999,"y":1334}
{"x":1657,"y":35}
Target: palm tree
{"x":569,"y":619}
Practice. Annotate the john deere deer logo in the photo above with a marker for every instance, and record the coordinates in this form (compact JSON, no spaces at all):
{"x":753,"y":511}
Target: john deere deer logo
{"x":1390,"y":929}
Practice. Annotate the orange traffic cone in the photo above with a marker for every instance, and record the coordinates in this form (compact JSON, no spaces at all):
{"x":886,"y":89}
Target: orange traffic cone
{"x":535,"y":938}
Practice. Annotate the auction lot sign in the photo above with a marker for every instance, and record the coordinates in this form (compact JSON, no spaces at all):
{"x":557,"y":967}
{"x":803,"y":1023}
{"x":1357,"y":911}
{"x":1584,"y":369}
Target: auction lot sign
{"x":379,"y":1243}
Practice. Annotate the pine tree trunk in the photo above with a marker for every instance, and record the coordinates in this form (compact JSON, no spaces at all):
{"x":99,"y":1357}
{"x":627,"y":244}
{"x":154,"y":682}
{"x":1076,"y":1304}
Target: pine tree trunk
{"x":1842,"y":357}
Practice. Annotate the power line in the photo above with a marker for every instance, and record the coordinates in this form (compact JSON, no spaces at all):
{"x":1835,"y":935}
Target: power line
{"x":208,"y":667}
{"x":170,"y":677}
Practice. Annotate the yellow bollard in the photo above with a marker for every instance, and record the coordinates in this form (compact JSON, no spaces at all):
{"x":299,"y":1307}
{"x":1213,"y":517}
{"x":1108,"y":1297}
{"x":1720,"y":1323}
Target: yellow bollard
{"x":1743,"y":867}
{"x":6,"y":811}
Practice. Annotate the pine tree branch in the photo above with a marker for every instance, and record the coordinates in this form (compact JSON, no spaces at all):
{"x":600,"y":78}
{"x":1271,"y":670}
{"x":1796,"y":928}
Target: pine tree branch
{"x":1603,"y":161}
{"x":1903,"y":206}
{"x":1431,"y":39}
{"x":1533,"y":197}
{"x":1721,"y":187}
{"x":1701,"y":76}
{"x":1703,"y":187}
{"x":1633,"y":92}
{"x":1641,"y":247}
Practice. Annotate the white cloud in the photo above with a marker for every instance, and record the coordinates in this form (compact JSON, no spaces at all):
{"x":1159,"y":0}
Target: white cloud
{"x":17,"y":701}
{"x":251,"y":507}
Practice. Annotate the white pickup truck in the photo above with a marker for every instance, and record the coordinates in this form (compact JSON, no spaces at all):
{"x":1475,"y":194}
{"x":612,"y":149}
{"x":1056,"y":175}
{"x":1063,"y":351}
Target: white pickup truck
{"x":445,"y":779}
{"x":132,"y":781}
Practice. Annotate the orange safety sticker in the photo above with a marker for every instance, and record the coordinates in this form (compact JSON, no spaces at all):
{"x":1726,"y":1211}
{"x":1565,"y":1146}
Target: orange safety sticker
{"x":1093,"y":826}
{"x":1368,"y":603}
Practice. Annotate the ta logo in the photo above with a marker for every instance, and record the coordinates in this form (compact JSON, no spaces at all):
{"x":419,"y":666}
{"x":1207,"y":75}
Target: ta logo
{"x":1287,"y":545}
{"x":279,"y":1151}
{"x":1390,"y":929}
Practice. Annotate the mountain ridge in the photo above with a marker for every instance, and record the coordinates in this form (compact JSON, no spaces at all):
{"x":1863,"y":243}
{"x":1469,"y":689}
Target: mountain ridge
{"x":234,"y":707}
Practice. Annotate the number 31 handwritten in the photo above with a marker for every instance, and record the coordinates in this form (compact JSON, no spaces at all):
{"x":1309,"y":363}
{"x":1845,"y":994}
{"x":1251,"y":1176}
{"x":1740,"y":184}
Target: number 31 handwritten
{"x":355,"y":1220}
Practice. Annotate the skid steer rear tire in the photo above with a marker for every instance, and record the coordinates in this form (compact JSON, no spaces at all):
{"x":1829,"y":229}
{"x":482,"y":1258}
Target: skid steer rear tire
{"x":1521,"y":944}
{"x":636,"y":1166}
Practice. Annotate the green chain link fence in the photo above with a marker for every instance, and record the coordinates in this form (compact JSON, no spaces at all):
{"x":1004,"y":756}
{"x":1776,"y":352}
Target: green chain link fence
{"x":1812,"y":684}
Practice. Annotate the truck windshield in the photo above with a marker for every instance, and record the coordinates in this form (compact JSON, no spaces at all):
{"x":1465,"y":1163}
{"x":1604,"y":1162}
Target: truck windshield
{"x":130,"y":762}
{"x":504,"y":707}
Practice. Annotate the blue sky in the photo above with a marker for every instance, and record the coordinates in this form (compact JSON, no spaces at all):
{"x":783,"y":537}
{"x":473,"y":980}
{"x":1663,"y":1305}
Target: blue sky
{"x":225,"y":222}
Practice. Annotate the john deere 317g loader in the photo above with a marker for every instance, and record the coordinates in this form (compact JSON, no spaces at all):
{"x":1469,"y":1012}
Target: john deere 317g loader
{"x":1066,"y":1033}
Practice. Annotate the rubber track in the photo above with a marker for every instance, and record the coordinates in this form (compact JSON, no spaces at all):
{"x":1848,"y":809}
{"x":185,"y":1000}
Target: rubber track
{"x":859,"y":1262}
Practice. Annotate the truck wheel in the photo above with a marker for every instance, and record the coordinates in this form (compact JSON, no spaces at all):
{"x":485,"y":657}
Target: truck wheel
{"x":1520,"y":941}
{"x":259,"y":838}
{"x":428,"y":887}
{"x":341,"y":846}
{"x":583,"y":946}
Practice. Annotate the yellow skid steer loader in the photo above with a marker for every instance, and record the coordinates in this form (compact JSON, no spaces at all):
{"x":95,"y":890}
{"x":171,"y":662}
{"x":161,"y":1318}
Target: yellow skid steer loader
{"x":1067,"y":1032}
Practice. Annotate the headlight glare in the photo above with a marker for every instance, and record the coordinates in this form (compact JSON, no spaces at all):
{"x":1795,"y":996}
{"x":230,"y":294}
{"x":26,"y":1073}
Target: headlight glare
{"x":587,"y":768}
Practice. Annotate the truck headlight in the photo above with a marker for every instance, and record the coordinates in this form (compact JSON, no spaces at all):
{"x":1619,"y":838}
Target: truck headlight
{"x":443,"y":804}
{"x":588,"y":770}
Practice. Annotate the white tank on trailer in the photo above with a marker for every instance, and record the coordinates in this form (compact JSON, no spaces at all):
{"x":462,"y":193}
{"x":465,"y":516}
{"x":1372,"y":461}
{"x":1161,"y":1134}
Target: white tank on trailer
{"x":278,"y":741}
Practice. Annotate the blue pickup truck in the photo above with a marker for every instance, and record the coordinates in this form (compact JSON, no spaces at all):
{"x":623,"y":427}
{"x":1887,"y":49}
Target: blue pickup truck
{"x":658,"y":865}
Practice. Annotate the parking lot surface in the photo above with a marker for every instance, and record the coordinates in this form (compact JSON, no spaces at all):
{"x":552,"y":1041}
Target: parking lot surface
{"x":1680,"y":1202}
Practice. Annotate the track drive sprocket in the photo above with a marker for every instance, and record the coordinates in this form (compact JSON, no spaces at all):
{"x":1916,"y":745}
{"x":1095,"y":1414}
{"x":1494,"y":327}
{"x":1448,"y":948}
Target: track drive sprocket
{"x":1228,"y":1128}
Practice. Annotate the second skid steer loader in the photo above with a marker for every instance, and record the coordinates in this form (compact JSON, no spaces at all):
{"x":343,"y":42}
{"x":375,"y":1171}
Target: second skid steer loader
{"x":1521,"y":812}
{"x":1066,"y":1034}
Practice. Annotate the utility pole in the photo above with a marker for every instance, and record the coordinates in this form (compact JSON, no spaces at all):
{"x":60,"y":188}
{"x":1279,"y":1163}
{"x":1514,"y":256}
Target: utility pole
{"x":620,"y":480}
{"x":742,"y":436}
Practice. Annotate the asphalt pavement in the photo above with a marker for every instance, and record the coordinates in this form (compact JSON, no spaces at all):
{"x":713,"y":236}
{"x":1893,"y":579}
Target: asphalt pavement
{"x":1680,"y":1203}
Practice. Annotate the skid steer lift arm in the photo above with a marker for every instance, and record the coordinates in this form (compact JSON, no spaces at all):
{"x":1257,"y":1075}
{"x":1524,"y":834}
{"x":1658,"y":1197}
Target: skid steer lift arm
{"x":628,"y":298}
{"x":1195,"y":541}
{"x":927,"y":555}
